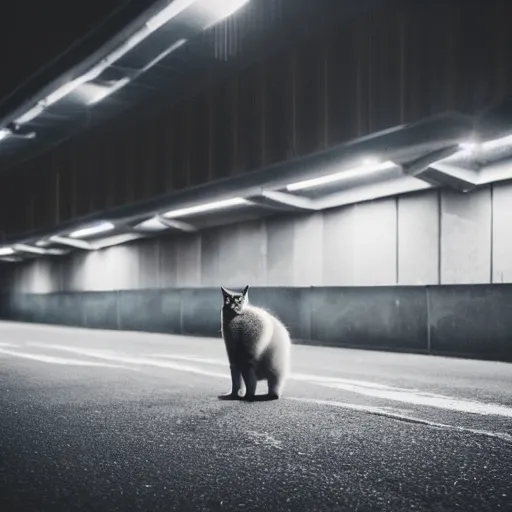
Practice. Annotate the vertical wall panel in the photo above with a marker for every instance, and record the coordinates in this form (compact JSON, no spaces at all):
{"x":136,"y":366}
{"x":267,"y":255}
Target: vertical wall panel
{"x":280,"y":238}
{"x":360,"y":245}
{"x":502,"y":233}
{"x":375,"y":247}
{"x":188,"y":248}
{"x":465,"y":237}
{"x":149,"y":258}
{"x":168,"y":262}
{"x":307,"y":250}
{"x":338,"y":247}
{"x":418,"y":239}
{"x":210,"y":256}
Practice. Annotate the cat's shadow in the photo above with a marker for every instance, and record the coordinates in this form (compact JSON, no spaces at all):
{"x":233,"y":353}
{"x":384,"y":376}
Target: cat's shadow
{"x":256,"y":398}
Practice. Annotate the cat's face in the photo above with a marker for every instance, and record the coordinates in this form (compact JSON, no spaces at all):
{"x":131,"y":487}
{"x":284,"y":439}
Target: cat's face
{"x":234,"y":301}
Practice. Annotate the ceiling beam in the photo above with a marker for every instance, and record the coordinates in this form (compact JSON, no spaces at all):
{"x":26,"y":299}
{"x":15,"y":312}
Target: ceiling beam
{"x":177,"y":224}
{"x":282,"y":200}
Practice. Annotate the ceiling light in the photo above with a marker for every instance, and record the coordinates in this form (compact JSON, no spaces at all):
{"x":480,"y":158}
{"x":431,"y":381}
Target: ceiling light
{"x":92,"y":230}
{"x":31,"y":114}
{"x":355,"y":172}
{"x":217,"y":205}
{"x":102,"y":92}
{"x":5,"y":251}
{"x":221,"y":9}
{"x":497,"y":143}
{"x":37,"y":250}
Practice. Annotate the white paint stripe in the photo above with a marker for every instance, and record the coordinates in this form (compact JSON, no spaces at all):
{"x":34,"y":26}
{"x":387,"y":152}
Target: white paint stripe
{"x":203,"y":360}
{"x":133,"y":360}
{"x":375,"y":390}
{"x":427,"y":399}
{"x":381,"y":411}
{"x":58,"y":360}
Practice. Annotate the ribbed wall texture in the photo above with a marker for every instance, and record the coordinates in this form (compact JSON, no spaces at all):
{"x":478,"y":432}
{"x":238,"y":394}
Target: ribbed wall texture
{"x":391,"y":65}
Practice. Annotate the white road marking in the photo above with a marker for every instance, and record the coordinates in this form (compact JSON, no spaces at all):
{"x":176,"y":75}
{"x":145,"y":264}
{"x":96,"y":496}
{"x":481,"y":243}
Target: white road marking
{"x":381,"y":411}
{"x":132,"y":360}
{"x":59,"y":360}
{"x":375,"y":390}
{"x":415,"y":397}
{"x":205,"y":360}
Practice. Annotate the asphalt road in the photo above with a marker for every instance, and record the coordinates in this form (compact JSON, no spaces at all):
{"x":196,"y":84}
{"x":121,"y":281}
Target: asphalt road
{"x":112,"y":421}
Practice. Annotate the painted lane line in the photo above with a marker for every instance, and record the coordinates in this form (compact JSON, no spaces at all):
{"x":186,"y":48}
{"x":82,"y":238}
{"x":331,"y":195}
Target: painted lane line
{"x":60,"y":360}
{"x":365,"y":388}
{"x":138,"y":361}
{"x":380,"y":411}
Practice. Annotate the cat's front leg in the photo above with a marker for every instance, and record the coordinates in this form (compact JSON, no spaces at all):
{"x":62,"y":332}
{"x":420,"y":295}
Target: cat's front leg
{"x":236,"y":384}
{"x":249,"y":375}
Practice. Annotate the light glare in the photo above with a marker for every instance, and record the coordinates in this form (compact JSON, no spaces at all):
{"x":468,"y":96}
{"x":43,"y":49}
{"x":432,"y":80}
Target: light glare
{"x":31,"y":114}
{"x":103,"y":92}
{"x":92,"y":230}
{"x":217,"y":205}
{"x":355,"y":172}
{"x":4,"y":133}
{"x":5,"y":251}
{"x":222,"y":9}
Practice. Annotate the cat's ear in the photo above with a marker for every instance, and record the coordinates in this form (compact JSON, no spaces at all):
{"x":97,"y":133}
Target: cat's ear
{"x":246,"y":289}
{"x":224,"y":291}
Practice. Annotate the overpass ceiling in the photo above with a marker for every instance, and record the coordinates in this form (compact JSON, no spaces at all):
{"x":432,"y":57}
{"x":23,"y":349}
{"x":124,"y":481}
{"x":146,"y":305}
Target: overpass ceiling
{"x":444,"y":151}
{"x":172,"y":50}
{"x":437,"y":152}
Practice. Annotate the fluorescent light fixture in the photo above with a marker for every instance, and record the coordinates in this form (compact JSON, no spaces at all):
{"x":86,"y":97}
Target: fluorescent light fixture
{"x":217,"y":205}
{"x":497,"y":143}
{"x":102,"y":92}
{"x":31,"y":114}
{"x":6,"y":251}
{"x":37,"y":250}
{"x":153,"y":224}
{"x":221,"y":9}
{"x":92,"y":230}
{"x":62,"y":91}
{"x":355,"y":172}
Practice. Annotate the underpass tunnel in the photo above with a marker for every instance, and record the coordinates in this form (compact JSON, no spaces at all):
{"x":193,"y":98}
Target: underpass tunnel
{"x":365,"y":203}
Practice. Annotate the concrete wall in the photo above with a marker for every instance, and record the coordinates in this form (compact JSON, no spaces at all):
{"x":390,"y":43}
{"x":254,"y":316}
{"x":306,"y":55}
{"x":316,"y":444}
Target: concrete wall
{"x":471,"y":320}
{"x":428,"y":238}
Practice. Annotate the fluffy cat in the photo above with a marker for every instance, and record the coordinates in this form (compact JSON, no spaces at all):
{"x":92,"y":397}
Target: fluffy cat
{"x":258,"y":347}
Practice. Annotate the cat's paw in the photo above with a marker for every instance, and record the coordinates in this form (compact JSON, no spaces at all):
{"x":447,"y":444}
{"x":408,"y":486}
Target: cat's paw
{"x":230,"y":396}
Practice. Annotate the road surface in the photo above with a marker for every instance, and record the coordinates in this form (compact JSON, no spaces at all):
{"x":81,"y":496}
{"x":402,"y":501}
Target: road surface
{"x":114,"y":421}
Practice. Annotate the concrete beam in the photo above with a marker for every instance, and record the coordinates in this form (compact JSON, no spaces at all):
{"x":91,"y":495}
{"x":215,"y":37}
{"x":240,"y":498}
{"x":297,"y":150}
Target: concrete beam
{"x":283,"y":200}
{"x":177,"y":224}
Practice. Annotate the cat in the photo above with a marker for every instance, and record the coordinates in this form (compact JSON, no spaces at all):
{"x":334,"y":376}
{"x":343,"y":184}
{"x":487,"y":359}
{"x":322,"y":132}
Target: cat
{"x":258,"y":346}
